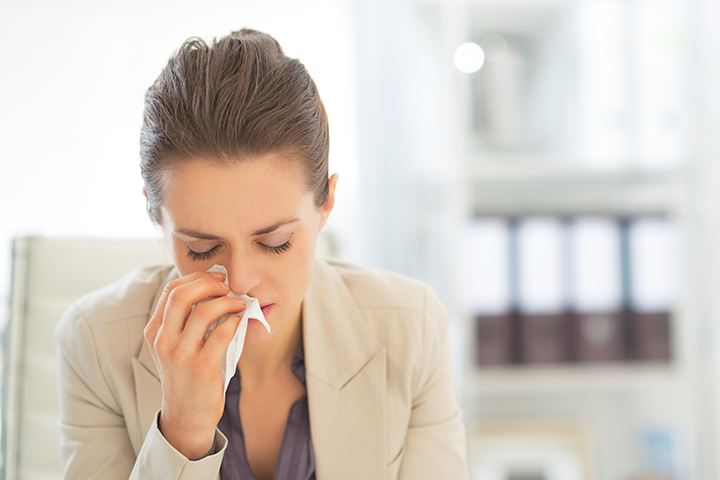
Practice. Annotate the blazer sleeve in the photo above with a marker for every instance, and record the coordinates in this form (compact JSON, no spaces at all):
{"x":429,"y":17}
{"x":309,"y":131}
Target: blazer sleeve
{"x":435,"y":444}
{"x":95,"y":443}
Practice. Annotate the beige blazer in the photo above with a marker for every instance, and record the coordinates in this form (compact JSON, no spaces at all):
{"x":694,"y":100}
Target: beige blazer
{"x":379,"y":379}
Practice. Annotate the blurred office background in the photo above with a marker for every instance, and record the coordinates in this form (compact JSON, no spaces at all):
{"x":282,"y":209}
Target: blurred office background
{"x":550,"y":167}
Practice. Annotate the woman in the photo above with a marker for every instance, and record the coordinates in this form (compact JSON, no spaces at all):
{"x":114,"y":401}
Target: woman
{"x":354,"y":378}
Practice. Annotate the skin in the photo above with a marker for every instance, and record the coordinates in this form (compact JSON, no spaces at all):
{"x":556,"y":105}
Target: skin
{"x":256,"y":218}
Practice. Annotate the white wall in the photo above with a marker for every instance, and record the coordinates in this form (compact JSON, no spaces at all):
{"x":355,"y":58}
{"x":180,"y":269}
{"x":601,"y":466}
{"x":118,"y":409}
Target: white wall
{"x":72,"y":78}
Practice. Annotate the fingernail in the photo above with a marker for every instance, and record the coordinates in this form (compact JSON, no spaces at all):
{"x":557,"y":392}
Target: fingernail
{"x":218,"y":275}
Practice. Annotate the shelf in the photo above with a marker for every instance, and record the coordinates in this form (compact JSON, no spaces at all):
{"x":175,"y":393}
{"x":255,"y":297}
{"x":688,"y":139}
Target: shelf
{"x":530,"y":168}
{"x":570,"y":378}
{"x":553,"y":189}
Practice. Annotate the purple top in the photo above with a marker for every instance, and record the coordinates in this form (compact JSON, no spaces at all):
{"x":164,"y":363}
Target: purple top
{"x":296,"y":460}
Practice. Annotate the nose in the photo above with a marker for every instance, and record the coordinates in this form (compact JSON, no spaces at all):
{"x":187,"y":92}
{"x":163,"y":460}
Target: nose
{"x":243,"y":275}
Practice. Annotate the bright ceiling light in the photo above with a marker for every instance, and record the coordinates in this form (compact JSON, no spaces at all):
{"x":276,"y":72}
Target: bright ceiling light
{"x":469,"y":57}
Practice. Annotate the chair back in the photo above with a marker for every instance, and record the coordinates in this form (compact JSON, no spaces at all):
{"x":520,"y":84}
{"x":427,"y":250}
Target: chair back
{"x":47,"y":275}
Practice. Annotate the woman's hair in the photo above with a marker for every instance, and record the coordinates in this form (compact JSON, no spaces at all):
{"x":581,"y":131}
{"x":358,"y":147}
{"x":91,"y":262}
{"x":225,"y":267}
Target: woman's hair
{"x":236,"y":99}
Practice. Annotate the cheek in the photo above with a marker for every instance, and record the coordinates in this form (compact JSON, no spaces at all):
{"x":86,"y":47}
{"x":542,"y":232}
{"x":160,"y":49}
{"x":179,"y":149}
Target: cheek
{"x":186,"y":267}
{"x":294,"y":271}
{"x":179,"y":259}
{"x":304,"y":258}
{"x":175,"y":248}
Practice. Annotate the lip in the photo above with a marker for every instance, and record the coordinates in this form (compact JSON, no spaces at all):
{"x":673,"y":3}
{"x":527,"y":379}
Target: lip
{"x":267,"y":308}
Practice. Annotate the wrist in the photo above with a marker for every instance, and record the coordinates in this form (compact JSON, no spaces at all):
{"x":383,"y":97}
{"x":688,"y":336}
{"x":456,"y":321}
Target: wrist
{"x":192,"y":443}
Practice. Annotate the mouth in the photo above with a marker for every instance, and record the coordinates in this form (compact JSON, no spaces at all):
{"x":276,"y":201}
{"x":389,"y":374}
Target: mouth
{"x":266,"y":309}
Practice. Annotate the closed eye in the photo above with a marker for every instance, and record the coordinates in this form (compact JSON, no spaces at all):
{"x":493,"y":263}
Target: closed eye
{"x":200,"y":256}
{"x":278,"y":249}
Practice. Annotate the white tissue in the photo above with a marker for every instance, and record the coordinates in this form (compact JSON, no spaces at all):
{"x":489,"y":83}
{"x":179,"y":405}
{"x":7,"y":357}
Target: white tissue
{"x":232,"y":354}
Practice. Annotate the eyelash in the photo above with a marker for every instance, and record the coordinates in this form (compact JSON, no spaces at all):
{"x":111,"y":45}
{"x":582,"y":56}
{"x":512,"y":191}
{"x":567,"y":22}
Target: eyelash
{"x":200,"y":256}
{"x":279,"y":249}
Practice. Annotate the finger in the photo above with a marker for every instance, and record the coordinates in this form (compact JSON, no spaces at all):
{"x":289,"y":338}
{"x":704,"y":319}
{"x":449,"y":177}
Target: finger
{"x":183,"y":299}
{"x":220,"y":339}
{"x":172,"y":285}
{"x":182,"y":295}
{"x":156,"y":319}
{"x":204,"y":314}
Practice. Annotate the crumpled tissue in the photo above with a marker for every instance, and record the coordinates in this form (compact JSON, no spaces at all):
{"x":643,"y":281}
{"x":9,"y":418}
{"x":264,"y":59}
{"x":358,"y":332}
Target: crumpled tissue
{"x":232,"y":354}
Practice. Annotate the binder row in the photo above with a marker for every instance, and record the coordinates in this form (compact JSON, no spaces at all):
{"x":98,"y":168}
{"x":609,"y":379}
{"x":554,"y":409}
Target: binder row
{"x":558,"y":289}
{"x":570,"y":338}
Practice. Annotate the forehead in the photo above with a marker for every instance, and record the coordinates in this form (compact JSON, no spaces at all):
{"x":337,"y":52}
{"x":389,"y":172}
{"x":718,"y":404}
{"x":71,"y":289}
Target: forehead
{"x":249,"y":194}
{"x":279,"y":159}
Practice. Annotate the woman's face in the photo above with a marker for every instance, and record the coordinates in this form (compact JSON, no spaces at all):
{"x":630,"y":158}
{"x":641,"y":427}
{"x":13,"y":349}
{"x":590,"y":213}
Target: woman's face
{"x":254,"y":217}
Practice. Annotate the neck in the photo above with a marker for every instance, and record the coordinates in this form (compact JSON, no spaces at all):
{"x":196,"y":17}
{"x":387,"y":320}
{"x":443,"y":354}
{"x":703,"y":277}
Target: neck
{"x":266,"y":359}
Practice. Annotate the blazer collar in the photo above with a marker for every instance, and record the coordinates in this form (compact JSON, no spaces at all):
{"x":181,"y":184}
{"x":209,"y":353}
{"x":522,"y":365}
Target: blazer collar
{"x":145,"y":357}
{"x":148,"y":390}
{"x":334,"y":329}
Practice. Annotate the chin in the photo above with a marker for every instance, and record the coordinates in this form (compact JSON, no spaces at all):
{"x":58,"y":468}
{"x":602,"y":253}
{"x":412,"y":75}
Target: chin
{"x":256,"y":334}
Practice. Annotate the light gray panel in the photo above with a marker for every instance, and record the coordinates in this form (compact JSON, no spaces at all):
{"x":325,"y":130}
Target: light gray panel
{"x":40,"y":442}
{"x":48,"y":275}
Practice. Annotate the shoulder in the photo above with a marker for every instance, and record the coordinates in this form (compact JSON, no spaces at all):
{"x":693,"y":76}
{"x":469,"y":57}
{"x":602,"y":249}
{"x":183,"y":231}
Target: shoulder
{"x":383,"y":310}
{"x":130,"y":297}
{"x":394,"y":308}
{"x":376,"y":288}
{"x":102,"y":331}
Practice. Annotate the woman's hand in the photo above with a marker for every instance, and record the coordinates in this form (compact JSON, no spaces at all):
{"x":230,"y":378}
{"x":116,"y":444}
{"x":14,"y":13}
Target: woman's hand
{"x":189,"y":368}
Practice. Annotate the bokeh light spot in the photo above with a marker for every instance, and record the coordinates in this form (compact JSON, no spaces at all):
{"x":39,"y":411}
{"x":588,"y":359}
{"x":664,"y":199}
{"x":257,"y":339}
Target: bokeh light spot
{"x":469,"y":57}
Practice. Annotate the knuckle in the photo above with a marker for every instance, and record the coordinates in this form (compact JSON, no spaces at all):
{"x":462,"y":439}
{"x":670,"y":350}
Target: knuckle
{"x":226,"y":331}
{"x":164,"y":346}
{"x":149,"y":333}
{"x":177,"y":295}
{"x":170,"y":286}
{"x":202,"y":311}
{"x":212,"y":282}
{"x":222,"y":335}
{"x":161,"y":346}
{"x":215,"y":308}
{"x":176,"y":356}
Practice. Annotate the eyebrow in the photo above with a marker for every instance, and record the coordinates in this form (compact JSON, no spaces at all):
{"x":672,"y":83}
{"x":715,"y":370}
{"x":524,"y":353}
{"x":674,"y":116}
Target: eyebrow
{"x":262,"y":231}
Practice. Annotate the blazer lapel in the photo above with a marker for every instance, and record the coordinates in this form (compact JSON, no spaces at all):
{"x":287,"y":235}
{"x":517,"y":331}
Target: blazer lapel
{"x":345,"y":377}
{"x":148,"y":395}
{"x":148,"y":389}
